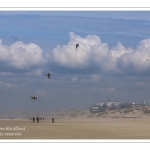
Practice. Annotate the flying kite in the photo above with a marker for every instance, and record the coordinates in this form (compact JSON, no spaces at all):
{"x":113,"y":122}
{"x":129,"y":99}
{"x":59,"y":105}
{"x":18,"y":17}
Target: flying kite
{"x":77,"y":45}
{"x":34,"y":98}
{"x":48,"y":75}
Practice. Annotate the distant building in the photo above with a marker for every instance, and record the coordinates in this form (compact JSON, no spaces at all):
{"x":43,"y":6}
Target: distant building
{"x":127,"y":105}
{"x":112,"y":105}
{"x":95,"y":108}
{"x":104,"y":105}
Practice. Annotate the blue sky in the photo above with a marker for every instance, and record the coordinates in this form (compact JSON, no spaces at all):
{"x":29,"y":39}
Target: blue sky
{"x":118,"y":14}
{"x":112,"y":60}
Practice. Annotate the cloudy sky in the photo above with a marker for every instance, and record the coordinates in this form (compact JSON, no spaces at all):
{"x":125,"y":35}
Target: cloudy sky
{"x":112,"y":60}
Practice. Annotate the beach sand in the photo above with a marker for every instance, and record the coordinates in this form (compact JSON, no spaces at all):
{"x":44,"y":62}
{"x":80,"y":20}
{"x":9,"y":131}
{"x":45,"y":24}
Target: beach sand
{"x":76,"y":128}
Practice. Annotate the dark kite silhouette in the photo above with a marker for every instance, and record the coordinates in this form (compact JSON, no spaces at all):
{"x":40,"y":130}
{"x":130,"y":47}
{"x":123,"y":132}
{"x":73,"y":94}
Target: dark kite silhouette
{"x":77,"y":45}
{"x":34,"y":98}
{"x":48,"y":75}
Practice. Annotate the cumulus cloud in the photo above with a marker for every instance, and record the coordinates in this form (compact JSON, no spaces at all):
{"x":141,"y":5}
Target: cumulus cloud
{"x":137,"y":60}
{"x":119,"y":50}
{"x":93,"y":52}
{"x":21,"y":55}
{"x":90,"y":50}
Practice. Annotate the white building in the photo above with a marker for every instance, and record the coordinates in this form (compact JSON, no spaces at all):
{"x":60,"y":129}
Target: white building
{"x":104,"y":105}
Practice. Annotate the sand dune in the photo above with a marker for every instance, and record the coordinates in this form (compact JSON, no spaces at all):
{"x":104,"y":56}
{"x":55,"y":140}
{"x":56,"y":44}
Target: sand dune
{"x":117,"y":124}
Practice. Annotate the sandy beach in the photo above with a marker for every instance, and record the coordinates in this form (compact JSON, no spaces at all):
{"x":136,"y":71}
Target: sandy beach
{"x":87,"y":128}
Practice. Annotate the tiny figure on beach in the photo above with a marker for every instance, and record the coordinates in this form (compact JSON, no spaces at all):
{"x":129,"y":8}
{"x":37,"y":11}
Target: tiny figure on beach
{"x":33,"y":119}
{"x":52,"y":120}
{"x":37,"y":120}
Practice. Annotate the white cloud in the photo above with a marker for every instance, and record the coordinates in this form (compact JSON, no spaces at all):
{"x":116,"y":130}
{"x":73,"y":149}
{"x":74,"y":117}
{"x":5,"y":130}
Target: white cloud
{"x":120,"y":50}
{"x":21,"y":56}
{"x":137,"y":60}
{"x":92,"y":51}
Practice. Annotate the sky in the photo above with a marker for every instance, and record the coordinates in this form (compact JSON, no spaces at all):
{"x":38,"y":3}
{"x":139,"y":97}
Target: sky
{"x":112,"y":60}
